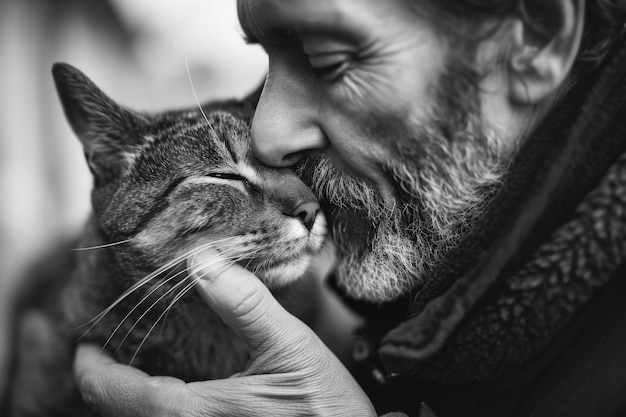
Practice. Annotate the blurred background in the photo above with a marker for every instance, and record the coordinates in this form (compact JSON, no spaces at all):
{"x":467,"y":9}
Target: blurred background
{"x":135,"y":50}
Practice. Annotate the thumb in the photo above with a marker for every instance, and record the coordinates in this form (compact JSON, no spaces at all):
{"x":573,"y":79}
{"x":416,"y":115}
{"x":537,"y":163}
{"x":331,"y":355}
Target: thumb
{"x":243,"y":301}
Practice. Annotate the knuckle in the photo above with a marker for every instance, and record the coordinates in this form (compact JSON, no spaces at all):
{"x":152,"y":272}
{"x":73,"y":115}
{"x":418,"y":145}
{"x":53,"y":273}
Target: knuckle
{"x":93,"y":391}
{"x":309,"y":338}
{"x":306,"y":342}
{"x":252,"y":314}
{"x":252,"y":302}
{"x":164,"y":398}
{"x":210,"y":402}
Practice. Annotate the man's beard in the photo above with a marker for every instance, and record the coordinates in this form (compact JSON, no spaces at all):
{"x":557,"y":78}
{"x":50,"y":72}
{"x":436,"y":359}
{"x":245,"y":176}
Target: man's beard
{"x":444,"y":171}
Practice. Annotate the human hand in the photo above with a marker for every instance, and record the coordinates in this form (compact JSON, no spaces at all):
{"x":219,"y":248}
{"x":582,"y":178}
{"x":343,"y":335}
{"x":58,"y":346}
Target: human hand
{"x":290,"y":372}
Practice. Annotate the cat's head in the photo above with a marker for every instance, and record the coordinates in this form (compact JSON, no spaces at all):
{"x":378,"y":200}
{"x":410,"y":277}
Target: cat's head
{"x":172,"y":182}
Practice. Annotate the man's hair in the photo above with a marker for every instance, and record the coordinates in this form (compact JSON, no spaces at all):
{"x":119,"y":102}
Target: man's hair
{"x":605,"y":22}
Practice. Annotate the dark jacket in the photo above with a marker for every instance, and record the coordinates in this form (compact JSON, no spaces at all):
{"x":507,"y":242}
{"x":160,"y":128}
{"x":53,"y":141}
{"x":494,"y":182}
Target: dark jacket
{"x":528,"y":316}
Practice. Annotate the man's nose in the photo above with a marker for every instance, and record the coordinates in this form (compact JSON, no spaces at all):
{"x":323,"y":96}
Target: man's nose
{"x":285,"y":126}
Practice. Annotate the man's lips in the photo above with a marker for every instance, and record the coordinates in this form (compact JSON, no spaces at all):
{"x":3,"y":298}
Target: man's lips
{"x":350,"y":229}
{"x":372,"y":175}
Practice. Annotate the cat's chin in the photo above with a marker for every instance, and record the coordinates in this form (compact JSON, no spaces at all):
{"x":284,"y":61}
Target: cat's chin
{"x":284,"y":274}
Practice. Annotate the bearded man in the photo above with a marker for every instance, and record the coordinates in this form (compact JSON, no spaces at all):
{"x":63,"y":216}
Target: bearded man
{"x":470,"y":158}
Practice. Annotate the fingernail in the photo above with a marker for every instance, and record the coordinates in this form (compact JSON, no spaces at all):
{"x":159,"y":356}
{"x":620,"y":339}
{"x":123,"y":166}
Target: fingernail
{"x":425,"y":411}
{"x":207,"y":265}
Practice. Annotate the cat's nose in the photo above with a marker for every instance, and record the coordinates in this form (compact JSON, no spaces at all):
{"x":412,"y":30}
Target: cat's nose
{"x":307,"y":212}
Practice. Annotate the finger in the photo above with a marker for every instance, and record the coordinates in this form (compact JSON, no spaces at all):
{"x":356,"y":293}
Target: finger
{"x":244,"y":303}
{"x":113,"y":389}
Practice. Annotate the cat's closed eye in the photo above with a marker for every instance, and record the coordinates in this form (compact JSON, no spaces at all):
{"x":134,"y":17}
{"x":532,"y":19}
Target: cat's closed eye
{"x":227,"y":176}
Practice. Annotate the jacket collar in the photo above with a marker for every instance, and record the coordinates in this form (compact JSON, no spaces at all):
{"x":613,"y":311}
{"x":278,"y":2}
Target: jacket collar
{"x":550,"y":193}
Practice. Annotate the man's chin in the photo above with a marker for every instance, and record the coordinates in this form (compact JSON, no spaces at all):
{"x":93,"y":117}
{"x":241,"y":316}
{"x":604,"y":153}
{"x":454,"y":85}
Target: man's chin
{"x":375,"y":264}
{"x":370,"y":280}
{"x":351,"y":229}
{"x":378,"y":259}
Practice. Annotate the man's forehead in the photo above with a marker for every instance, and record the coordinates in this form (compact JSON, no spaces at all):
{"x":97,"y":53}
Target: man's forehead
{"x":264,"y":20}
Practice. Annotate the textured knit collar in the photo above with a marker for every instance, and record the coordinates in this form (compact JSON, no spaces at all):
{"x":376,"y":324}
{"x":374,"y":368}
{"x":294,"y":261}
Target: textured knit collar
{"x":552,"y":236}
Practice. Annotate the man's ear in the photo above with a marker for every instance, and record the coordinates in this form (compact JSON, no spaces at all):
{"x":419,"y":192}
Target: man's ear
{"x":546,"y":39}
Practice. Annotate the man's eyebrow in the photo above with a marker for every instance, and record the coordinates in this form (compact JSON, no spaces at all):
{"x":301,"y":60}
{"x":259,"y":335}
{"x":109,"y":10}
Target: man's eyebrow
{"x":250,"y":39}
{"x":268,"y":34}
{"x":270,"y":38}
{"x":245,"y":24}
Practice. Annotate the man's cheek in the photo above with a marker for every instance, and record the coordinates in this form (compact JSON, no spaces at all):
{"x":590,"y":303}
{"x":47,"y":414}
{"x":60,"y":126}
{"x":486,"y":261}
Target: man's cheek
{"x":362,"y":95}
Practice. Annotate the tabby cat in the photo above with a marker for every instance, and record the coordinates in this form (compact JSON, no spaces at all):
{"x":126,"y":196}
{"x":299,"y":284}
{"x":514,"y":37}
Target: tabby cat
{"x":166,"y":187}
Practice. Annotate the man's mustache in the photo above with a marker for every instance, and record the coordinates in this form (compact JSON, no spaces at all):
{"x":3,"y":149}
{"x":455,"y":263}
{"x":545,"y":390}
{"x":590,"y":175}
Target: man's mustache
{"x":336,"y":187}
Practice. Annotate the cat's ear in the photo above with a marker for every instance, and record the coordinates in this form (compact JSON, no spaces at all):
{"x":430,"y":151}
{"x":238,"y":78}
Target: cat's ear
{"x":110,"y":134}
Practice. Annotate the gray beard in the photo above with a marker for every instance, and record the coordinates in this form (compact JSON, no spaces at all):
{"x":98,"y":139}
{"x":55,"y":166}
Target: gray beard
{"x":443,"y":183}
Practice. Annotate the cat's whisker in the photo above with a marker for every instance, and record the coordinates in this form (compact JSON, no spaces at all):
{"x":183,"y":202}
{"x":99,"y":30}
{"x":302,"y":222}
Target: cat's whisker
{"x":94,"y":321}
{"x":196,"y":97}
{"x":249,"y":255}
{"x":157,"y":272}
{"x":152,"y":291}
{"x":181,"y":294}
{"x":240,"y":258}
{"x":176,"y":298}
{"x":126,"y":293}
{"x":145,"y":313}
{"x":207,"y":263}
{"x":106,"y":245}
{"x":141,"y":302}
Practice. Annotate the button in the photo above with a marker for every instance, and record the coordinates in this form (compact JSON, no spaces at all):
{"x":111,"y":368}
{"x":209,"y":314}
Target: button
{"x":360,"y":351}
{"x":379,"y":376}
